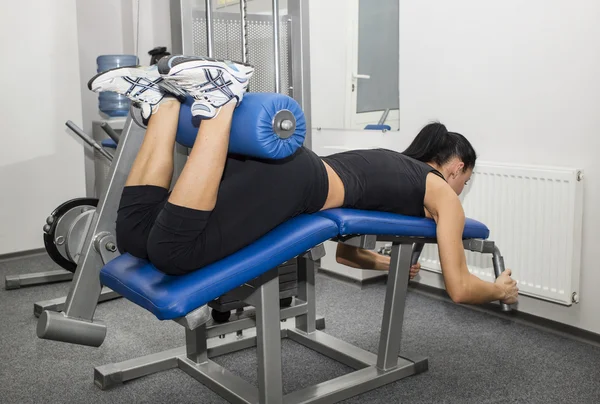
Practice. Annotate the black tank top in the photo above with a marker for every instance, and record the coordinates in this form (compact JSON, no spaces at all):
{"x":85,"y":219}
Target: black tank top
{"x":382,"y":180}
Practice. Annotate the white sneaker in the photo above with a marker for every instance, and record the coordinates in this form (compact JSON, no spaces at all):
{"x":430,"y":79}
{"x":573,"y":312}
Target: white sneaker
{"x":212,"y":83}
{"x":140,"y":84}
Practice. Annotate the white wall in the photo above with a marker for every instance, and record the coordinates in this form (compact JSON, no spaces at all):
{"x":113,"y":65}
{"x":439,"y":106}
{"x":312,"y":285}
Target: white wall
{"x":521,"y":81}
{"x":41,"y":163}
{"x":154,"y":28}
{"x":110,"y":27}
{"x":329,"y":36}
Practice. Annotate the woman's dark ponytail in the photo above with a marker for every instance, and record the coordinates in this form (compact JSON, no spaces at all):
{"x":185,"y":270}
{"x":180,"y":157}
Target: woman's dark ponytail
{"x":434,"y":144}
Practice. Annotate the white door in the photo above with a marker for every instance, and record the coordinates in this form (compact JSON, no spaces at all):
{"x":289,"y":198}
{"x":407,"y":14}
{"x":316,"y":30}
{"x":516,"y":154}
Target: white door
{"x":373,"y":59}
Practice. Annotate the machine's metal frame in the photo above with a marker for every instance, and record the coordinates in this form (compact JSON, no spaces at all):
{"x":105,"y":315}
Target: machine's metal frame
{"x":38,"y":278}
{"x":372,"y":370}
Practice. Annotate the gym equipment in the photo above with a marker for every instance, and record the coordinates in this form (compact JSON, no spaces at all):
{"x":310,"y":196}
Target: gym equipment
{"x":248,"y":273}
{"x":265,"y":125}
{"x":65,"y":230}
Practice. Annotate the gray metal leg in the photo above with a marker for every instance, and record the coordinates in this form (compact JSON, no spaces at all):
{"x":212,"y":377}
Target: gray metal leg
{"x":38,"y":278}
{"x":59,"y":303}
{"x":393,"y":312}
{"x":268,"y":336}
{"x":117,"y":373}
{"x":195,"y":342}
{"x":306,"y":293}
{"x":85,"y":289}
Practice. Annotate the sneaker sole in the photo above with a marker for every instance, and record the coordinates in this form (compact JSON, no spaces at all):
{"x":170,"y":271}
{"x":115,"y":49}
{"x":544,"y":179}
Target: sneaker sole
{"x":201,"y":62}
{"x":119,"y":72}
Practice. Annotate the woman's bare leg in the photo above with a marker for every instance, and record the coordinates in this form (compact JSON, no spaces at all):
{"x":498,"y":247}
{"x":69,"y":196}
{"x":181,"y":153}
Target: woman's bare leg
{"x":198,"y":184}
{"x":153,"y":164}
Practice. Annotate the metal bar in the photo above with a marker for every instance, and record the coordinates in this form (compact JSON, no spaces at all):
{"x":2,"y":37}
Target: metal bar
{"x":364,"y":241}
{"x":248,"y":320}
{"x":85,"y":288}
{"x":195,"y":344}
{"x":276,"y":55}
{"x":290,"y":78}
{"x":233,"y":342}
{"x":334,"y":348}
{"x":383,"y":117}
{"x":107,"y":376}
{"x":300,"y":63}
{"x":498,"y":262}
{"x":349,"y":385}
{"x":479,"y":245}
{"x":229,"y":386}
{"x":82,"y":299}
{"x":110,"y":132}
{"x":306,"y":322}
{"x":177,"y":33}
{"x":393,"y":312}
{"x":244,"y":22}
{"x":38,"y":278}
{"x":210,"y":40}
{"x":95,"y":145}
{"x":58,"y":304}
{"x":268,"y":334}
{"x":417,"y":249}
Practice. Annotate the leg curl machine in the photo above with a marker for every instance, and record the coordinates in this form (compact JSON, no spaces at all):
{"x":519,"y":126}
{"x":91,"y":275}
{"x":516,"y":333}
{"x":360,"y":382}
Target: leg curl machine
{"x":251,"y":274}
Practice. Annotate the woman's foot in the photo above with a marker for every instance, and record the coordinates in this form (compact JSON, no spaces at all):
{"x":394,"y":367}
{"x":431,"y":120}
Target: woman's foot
{"x":140,"y":84}
{"x":212,"y":83}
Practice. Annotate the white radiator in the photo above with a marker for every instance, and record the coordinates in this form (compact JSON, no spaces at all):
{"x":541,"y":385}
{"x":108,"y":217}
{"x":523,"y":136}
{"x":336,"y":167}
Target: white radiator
{"x":535,"y":218}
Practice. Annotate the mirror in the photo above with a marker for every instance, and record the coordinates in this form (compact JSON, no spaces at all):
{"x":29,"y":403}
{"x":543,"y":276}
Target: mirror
{"x":354,"y":64}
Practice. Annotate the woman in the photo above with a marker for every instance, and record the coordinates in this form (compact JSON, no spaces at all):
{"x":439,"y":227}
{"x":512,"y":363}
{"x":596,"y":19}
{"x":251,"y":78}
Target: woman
{"x":221,"y":203}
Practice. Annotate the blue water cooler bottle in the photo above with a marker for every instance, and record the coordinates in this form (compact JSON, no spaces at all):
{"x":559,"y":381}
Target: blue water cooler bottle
{"x":111,"y":103}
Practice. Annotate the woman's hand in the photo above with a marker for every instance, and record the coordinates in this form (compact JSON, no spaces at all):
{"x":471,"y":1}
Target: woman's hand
{"x":414,"y":270}
{"x":509,"y":286}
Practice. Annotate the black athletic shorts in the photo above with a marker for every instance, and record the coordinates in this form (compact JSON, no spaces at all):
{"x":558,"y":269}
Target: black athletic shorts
{"x":254,"y":197}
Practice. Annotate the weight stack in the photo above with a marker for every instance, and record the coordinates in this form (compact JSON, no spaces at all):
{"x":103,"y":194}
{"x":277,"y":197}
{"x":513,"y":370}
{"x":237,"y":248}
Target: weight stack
{"x":288,"y":288}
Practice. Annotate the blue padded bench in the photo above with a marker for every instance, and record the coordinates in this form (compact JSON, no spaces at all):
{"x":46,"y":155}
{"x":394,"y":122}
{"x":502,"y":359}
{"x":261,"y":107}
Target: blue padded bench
{"x":353,"y":221}
{"x":170,"y":297}
{"x":252,"y":273}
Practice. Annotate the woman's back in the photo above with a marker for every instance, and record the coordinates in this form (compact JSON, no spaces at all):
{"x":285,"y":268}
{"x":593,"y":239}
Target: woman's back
{"x":381,"y":179}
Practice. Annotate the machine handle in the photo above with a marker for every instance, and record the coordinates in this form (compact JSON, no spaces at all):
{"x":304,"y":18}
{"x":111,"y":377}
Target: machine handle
{"x":360,"y":76}
{"x":416,"y":253}
{"x":498,"y":262}
{"x":110,"y":132}
{"x":79,"y":132}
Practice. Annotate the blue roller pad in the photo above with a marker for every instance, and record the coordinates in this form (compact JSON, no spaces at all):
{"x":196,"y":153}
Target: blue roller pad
{"x":252,"y":126}
{"x":353,"y":221}
{"x":169,"y":297}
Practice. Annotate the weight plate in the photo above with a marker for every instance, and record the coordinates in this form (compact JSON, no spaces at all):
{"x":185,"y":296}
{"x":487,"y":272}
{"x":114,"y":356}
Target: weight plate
{"x":77,"y":232}
{"x":52,"y":248}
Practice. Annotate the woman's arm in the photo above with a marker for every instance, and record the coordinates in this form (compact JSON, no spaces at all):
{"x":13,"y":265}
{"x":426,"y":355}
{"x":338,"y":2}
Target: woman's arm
{"x":360,"y":258}
{"x":365,"y":259}
{"x":463,"y":287}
